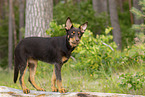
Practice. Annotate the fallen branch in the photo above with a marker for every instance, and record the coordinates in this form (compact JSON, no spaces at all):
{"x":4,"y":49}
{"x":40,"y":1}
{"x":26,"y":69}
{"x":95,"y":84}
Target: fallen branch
{"x":73,"y":58}
{"x":108,"y":46}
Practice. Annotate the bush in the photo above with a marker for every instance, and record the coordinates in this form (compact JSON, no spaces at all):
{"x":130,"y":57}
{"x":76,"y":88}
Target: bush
{"x":99,"y":54}
{"x":92,"y":52}
{"x":132,"y":81}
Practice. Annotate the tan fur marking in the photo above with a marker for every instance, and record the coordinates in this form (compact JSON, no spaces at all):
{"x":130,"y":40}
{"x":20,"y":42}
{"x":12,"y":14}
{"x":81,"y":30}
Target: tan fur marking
{"x":32,"y":69}
{"x":79,"y":33}
{"x":64,"y":58}
{"x":32,"y":61}
{"x":59,"y":84}
{"x":71,"y":40}
{"x":53,"y":80}
{"x":25,"y":89}
{"x":73,"y":33}
{"x":60,"y":88}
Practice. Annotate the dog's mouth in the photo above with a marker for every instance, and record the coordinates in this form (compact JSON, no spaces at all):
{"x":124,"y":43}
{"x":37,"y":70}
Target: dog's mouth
{"x":73,"y":44}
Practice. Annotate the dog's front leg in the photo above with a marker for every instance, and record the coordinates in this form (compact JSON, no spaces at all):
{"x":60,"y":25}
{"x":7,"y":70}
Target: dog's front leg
{"x":58,"y":78}
{"x":53,"y":81}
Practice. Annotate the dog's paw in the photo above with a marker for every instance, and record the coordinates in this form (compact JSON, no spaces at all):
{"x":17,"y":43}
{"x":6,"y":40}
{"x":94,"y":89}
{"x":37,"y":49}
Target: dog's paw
{"x":26,"y":91}
{"x":62,"y":90}
{"x":54,"y":89}
{"x":40,"y":89}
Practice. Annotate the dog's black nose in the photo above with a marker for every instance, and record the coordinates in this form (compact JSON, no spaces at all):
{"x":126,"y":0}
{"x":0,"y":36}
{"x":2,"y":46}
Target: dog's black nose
{"x":77,"y":40}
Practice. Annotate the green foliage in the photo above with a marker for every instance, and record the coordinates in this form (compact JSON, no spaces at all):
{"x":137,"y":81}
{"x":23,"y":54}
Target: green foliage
{"x":139,"y":14}
{"x":132,"y":81}
{"x":56,"y":30}
{"x":92,"y":53}
{"x":3,"y":43}
{"x":96,"y":62}
{"x":125,"y":24}
{"x":43,"y":69}
{"x":4,"y":34}
{"x":99,"y":54}
{"x":80,"y":13}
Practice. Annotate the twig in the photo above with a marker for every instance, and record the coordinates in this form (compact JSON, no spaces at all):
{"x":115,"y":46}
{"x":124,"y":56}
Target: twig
{"x":108,"y":46}
{"x":73,"y":58}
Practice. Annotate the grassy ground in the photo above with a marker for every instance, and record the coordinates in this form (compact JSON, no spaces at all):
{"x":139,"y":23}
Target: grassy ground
{"x":76,"y":81}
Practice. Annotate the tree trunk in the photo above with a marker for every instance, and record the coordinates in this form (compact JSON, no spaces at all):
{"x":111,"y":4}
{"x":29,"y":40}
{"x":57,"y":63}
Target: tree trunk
{"x":21,"y":17}
{"x":14,"y":29}
{"x":3,"y":11}
{"x":1,"y":8}
{"x":65,"y":1}
{"x":38,"y":15}
{"x":135,"y":4}
{"x":131,"y":15}
{"x":76,"y":1}
{"x":115,"y":23}
{"x":99,"y":6}
{"x":10,"y":45}
{"x":121,"y":5}
{"x":56,"y":2}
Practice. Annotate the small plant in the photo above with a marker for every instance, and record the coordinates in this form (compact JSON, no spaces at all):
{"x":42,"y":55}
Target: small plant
{"x":56,"y":30}
{"x":132,"y":81}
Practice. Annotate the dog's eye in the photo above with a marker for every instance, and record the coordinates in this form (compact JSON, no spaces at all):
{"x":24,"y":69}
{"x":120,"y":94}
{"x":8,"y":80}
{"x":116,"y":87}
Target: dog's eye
{"x":79,"y":33}
{"x":73,"y":33}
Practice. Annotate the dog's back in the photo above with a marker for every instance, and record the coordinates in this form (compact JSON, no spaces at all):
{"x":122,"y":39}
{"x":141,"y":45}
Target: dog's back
{"x":49,"y":50}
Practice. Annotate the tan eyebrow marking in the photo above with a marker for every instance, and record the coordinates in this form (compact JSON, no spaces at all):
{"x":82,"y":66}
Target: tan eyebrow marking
{"x":79,"y":33}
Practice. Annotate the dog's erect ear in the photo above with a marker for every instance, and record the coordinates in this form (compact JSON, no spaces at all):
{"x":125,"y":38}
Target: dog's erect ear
{"x":83,"y":27}
{"x":68,"y":24}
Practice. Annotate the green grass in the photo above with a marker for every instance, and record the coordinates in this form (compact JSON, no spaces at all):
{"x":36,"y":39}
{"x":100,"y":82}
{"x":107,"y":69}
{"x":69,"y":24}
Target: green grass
{"x":77,"y":81}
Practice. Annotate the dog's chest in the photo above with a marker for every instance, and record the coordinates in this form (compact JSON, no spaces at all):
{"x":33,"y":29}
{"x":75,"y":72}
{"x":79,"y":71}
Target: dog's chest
{"x":64,"y":59}
{"x":65,"y":56}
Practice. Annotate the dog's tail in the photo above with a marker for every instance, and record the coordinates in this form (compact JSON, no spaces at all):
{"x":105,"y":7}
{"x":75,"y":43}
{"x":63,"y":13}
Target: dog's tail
{"x":16,"y":69}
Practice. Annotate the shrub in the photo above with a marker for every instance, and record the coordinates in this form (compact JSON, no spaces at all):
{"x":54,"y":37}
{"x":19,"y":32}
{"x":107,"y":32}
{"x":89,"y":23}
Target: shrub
{"x":97,"y":55}
{"x":132,"y":81}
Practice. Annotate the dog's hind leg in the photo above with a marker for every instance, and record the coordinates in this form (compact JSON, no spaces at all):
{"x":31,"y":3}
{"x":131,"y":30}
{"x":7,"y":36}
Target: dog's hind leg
{"x":53,"y":81}
{"x":32,"y":70}
{"x":21,"y":79}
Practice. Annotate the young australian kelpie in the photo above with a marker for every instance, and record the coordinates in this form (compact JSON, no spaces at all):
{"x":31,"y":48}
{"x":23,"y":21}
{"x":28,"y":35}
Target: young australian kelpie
{"x":54,"y":50}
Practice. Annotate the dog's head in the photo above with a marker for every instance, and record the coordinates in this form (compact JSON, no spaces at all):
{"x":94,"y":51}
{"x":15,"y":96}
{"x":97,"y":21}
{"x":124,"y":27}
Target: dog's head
{"x":74,"y":34}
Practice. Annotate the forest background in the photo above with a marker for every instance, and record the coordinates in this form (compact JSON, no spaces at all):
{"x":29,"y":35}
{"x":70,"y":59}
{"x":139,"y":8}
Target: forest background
{"x":111,"y":53}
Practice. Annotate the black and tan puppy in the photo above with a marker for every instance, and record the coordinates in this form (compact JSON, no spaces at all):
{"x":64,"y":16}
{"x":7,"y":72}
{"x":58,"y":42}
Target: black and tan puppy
{"x":54,"y":50}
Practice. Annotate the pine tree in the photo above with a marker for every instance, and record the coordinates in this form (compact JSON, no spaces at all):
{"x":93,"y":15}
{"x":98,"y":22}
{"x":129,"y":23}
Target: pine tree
{"x":139,"y":14}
